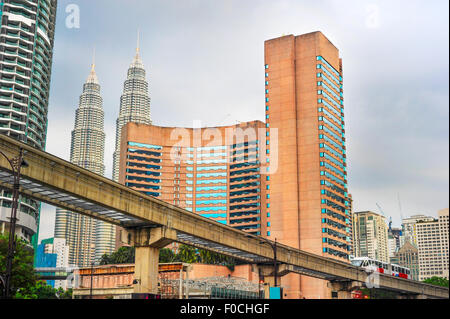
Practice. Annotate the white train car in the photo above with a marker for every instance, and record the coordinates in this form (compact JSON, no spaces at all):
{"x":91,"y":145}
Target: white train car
{"x":381,"y":267}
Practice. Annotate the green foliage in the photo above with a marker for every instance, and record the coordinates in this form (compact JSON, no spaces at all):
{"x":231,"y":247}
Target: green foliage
{"x":166,"y":255}
{"x":43,"y":291}
{"x":124,"y":255}
{"x":437,"y":281}
{"x":64,"y":294}
{"x":23,"y":275}
{"x":211,"y":258}
{"x":25,"y":284}
{"x":186,"y":254}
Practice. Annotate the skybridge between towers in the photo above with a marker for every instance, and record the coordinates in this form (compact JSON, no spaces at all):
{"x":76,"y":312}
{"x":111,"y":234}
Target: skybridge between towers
{"x":153,"y":224}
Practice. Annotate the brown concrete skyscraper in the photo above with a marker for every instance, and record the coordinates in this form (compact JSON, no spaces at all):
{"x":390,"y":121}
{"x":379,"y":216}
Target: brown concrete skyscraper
{"x":307,"y":200}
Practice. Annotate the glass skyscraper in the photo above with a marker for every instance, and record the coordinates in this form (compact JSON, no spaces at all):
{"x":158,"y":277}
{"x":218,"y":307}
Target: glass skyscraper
{"x":27,"y":29}
{"x":134,"y":104}
{"x":87,"y":151}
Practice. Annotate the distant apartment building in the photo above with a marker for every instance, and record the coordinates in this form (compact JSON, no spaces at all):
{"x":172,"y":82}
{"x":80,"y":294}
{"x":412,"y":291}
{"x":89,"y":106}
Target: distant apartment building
{"x":433,"y":243}
{"x":409,"y":232}
{"x":210,"y":171}
{"x":370,"y":236}
{"x":407,"y":256}
{"x":53,"y":253}
{"x":395,"y":240}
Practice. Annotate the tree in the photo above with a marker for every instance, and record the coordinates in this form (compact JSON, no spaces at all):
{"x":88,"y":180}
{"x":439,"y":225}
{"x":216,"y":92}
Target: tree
{"x":124,"y":255}
{"x":41,"y":290}
{"x":437,"y":281}
{"x":186,"y":254}
{"x":25,"y":283}
{"x":64,"y":294}
{"x":23,"y":275}
{"x":166,"y":255}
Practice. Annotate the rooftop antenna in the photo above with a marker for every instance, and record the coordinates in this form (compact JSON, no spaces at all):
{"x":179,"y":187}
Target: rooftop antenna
{"x":93,"y":60}
{"x":138,"y":46}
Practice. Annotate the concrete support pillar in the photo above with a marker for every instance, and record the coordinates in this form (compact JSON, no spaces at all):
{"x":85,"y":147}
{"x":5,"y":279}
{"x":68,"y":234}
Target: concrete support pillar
{"x":146,"y":270}
{"x":148,"y":242}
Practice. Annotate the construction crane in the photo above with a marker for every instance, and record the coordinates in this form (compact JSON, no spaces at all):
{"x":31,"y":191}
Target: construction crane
{"x":390,"y":218}
{"x":381,"y":210}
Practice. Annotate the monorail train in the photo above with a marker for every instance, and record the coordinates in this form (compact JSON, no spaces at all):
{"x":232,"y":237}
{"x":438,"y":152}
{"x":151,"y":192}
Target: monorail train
{"x":381,"y":267}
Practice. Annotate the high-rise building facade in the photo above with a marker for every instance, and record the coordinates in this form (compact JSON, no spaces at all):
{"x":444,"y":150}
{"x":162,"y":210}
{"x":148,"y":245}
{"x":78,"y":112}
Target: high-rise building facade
{"x":309,"y":205}
{"x":134,"y":108}
{"x":433,"y":242}
{"x":134,"y":104}
{"x":407,"y":256}
{"x":409,"y":231}
{"x":53,"y":253}
{"x":395,"y":240}
{"x":214,"y":172}
{"x":27,"y":29}
{"x":87,"y":151}
{"x":370,"y":233}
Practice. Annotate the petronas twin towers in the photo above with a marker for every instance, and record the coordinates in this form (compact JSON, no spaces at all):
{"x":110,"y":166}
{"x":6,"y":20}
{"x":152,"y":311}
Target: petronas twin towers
{"x":87,"y":238}
{"x":134,"y":104}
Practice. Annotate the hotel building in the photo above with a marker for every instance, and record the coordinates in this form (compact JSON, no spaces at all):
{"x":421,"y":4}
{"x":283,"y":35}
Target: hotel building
{"x":214,"y":172}
{"x":27,"y":31}
{"x":287,"y":182}
{"x":309,"y":204}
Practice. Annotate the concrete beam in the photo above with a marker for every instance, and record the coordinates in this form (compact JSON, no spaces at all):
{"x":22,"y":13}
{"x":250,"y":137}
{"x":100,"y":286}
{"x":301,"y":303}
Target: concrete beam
{"x":158,"y":237}
{"x":268,"y":271}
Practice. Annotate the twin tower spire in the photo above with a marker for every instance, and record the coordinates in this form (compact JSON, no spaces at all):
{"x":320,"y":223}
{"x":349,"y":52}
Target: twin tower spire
{"x":89,"y":240}
{"x":137,"y":61}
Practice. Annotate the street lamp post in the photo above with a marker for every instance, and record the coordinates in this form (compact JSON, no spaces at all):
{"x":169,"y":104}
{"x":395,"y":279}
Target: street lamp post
{"x":92,"y":275}
{"x":275,"y":262}
{"x":16,"y":164}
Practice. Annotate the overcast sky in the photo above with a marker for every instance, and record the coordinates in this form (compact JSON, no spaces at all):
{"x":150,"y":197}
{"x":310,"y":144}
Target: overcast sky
{"x":205,"y":61}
